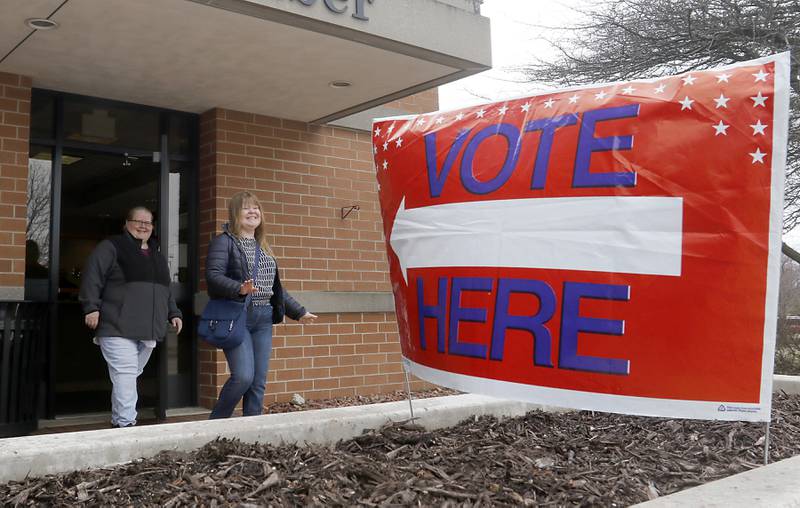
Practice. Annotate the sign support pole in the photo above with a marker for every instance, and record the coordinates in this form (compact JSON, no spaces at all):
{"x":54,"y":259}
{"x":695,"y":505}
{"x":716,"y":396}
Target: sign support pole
{"x":408,"y":391}
{"x":766,"y":445}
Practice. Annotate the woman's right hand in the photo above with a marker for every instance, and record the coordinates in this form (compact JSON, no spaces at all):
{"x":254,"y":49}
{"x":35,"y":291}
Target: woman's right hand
{"x":91,"y":319}
{"x":247,"y":287}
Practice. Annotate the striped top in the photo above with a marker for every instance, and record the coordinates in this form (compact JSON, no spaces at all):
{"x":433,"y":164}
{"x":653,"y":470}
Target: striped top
{"x":266,"y":271}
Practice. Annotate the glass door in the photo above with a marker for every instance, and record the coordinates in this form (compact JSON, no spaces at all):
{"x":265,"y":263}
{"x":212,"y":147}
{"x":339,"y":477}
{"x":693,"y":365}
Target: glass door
{"x":91,"y":160}
{"x":97,"y":190}
{"x":179,"y":384}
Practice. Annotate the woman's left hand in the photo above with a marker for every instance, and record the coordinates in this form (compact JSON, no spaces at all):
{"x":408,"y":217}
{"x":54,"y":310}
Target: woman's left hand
{"x":308,"y":318}
{"x":177,"y":323}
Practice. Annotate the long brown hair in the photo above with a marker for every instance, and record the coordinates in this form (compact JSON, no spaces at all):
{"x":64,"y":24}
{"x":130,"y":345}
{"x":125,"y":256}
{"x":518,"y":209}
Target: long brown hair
{"x":239,"y":201}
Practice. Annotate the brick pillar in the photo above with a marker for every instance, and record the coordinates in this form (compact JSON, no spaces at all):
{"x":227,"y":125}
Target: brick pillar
{"x":211,"y":362}
{"x":15,"y":107}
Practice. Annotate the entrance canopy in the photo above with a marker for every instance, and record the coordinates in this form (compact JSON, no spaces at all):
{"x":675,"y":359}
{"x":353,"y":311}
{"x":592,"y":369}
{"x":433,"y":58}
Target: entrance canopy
{"x":281,"y":58}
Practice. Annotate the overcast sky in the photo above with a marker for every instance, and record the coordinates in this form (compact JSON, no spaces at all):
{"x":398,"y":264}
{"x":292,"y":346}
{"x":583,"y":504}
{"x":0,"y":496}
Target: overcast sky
{"x":519,"y":28}
{"x":518,"y":31}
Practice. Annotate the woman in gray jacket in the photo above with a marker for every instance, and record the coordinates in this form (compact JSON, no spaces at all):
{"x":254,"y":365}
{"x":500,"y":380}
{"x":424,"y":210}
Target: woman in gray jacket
{"x":127,"y":302}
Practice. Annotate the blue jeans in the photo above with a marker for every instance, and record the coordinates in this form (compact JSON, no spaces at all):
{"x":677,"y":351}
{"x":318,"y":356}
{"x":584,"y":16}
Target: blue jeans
{"x":126,"y":359}
{"x":248,"y":364}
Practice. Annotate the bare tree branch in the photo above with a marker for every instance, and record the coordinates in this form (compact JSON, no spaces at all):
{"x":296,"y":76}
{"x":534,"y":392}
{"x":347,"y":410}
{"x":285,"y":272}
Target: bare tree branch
{"x":619,"y":40}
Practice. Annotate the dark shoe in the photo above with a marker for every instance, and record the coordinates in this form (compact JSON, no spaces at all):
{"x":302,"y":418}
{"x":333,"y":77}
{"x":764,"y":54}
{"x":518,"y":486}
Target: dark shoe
{"x":115,"y":426}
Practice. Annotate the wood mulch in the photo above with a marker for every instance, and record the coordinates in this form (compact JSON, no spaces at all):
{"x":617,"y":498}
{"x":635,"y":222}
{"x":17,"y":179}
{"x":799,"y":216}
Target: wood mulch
{"x":542,"y":459}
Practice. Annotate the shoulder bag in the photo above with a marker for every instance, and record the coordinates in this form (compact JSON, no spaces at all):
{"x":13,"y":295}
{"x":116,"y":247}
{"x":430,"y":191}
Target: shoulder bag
{"x":223,"y":323}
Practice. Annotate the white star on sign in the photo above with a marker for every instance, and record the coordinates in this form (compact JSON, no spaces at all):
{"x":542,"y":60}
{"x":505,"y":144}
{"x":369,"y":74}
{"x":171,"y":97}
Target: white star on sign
{"x":526,"y":107}
{"x":758,"y":127}
{"x":399,"y":142}
{"x":390,"y":129}
{"x":480,"y":113}
{"x":385,"y":165}
{"x":460,"y":116}
{"x":689,"y":80}
{"x":377,"y":131}
{"x":723,"y":77}
{"x":720,"y":128}
{"x":759,"y":100}
{"x":686,"y":103}
{"x":385,"y":146}
{"x":421,"y":122}
{"x":761,"y":76}
{"x":600,"y":95}
{"x":549,"y":103}
{"x":758,"y":156}
{"x":722,"y":101}
{"x":628,"y":90}
{"x":502,"y":111}
{"x":440,"y":120}
{"x":574,"y":99}
{"x":660,"y":88}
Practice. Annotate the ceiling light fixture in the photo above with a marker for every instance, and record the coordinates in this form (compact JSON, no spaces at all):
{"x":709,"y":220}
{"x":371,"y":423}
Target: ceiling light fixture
{"x":41,"y":23}
{"x":340,"y":84}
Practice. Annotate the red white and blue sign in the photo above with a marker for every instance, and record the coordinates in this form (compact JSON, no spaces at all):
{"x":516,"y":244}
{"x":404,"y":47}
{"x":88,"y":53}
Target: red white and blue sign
{"x":613,"y":247}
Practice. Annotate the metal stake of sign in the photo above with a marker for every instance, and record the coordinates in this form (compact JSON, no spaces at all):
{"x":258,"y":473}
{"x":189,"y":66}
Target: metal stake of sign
{"x":408,"y":391}
{"x":766,"y":445}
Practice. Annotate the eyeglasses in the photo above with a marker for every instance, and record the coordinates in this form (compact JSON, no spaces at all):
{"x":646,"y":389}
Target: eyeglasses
{"x":143,"y":223}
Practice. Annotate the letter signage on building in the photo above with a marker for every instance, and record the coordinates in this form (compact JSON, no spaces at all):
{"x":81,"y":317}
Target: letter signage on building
{"x":356,"y":7}
{"x":612,"y":247}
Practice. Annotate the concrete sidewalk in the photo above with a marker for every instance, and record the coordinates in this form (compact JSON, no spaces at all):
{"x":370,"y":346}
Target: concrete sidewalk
{"x":773,"y":486}
{"x":60,"y":453}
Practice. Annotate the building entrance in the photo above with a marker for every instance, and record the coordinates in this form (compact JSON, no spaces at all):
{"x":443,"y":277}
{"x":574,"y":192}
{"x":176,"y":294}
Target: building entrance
{"x":101,"y":159}
{"x":96,"y":191}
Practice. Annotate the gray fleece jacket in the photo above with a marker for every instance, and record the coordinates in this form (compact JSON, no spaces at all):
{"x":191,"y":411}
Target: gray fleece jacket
{"x":130,"y":289}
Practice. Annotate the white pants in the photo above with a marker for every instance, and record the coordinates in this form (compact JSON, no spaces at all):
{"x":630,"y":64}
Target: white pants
{"x":126,"y":359}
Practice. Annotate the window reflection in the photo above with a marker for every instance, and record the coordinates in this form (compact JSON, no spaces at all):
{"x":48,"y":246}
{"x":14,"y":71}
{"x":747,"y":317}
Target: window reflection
{"x":42,"y":115}
{"x":37,"y":232}
{"x":179,"y":222}
{"x":179,"y":134}
{"x":110,"y":124}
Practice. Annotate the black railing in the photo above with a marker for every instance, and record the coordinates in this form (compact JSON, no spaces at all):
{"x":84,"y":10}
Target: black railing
{"x":23,"y":332}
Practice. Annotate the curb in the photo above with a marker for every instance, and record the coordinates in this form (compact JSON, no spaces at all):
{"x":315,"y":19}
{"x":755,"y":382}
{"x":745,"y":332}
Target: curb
{"x":773,"y":486}
{"x":60,"y":453}
{"x":788,"y":384}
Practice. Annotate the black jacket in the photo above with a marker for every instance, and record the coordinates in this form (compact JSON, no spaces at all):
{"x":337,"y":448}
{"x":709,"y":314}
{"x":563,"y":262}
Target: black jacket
{"x":226,"y":266}
{"x":130,"y":290}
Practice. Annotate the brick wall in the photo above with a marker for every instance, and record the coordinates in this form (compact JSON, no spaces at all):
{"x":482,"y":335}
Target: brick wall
{"x":303,"y":176}
{"x":15,"y":106}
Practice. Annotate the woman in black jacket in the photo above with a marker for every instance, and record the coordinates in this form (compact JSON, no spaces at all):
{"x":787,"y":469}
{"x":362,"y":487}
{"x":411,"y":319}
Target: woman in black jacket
{"x":229,"y":269}
{"x":126,"y":300}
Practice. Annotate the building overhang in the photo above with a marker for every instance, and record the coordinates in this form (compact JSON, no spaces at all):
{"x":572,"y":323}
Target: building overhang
{"x":272,"y":57}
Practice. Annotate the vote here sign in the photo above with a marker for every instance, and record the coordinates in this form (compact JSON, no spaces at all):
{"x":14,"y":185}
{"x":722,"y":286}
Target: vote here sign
{"x":613,"y":247}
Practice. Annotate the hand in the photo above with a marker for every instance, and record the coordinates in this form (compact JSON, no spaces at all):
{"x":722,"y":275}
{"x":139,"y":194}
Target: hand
{"x":91,"y":319}
{"x":247,"y":287}
{"x":308,"y":318}
{"x":177,"y":323}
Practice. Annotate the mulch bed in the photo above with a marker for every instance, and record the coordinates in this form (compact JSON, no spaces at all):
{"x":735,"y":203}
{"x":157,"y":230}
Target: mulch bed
{"x":541,"y":459}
